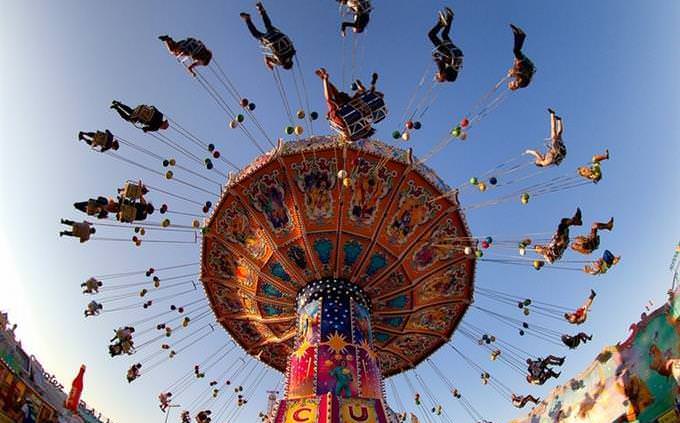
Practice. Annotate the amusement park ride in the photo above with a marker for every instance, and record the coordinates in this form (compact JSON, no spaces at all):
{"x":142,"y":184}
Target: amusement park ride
{"x":338,"y":260}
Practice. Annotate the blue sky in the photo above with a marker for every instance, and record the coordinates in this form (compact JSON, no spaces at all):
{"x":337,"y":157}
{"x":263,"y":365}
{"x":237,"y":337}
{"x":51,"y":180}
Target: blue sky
{"x":608,"y":67}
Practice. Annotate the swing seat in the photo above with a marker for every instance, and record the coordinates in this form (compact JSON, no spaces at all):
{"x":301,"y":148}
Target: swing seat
{"x":132,"y":190}
{"x":191,"y":47}
{"x":101,"y":139}
{"x":277,"y":44}
{"x":92,"y":207}
{"x":359,"y":115}
{"x":448,"y":51}
{"x":145,"y":113}
{"x":127,"y":213}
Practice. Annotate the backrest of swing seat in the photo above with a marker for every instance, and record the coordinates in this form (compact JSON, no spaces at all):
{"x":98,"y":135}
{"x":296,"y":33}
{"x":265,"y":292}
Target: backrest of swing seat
{"x":377,"y":105}
{"x":190,"y":46}
{"x":127,"y":213}
{"x":145,"y":113}
{"x":132,"y":190}
{"x":100,"y":139}
{"x":277,"y":44}
{"x":92,"y":207}
{"x":354,"y":131}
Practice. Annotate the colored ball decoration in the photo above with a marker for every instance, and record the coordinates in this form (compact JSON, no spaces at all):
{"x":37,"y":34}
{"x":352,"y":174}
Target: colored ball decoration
{"x":417,"y":125}
{"x":467,"y":251}
{"x":405,"y":136}
{"x":216,"y":154}
{"x":524,"y":198}
{"x":396,"y":135}
{"x":169,"y":174}
{"x":244,"y":102}
{"x":240,"y":118}
{"x":409,"y":124}
{"x":251,"y":106}
{"x":233,"y":124}
{"x":474,"y":180}
{"x":211,"y":147}
{"x":300,"y":114}
{"x":299,"y":130}
{"x":314,"y":115}
{"x":493,"y":180}
{"x":290,"y":130}
{"x":482,"y":186}
{"x":165,"y":223}
{"x":342,"y":174}
{"x":173,"y":162}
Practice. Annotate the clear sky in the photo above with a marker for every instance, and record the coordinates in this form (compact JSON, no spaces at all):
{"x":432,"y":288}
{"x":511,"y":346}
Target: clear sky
{"x":609,"y":67}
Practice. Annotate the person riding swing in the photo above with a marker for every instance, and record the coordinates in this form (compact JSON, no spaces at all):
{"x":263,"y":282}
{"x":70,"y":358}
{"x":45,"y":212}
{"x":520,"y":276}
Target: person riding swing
{"x":191,"y":48}
{"x":149,"y":117}
{"x":353,"y":116}
{"x":447,"y":57}
{"x":279,"y":49}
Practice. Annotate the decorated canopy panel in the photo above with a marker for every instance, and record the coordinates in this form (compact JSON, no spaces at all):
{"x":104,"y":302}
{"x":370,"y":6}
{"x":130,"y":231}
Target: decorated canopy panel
{"x":364,"y":212}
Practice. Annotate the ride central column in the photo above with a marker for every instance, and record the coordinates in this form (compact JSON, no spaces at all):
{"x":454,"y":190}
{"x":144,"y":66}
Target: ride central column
{"x":333,"y":374}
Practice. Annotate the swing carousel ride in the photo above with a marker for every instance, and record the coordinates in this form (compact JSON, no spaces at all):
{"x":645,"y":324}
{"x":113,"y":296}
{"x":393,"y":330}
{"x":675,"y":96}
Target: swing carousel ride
{"x":338,"y":260}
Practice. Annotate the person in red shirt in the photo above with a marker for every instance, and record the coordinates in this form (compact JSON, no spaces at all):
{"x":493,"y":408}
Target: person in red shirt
{"x":581,"y":314}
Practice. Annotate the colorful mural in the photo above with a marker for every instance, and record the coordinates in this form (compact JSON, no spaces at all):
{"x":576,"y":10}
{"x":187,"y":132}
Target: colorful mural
{"x":634,"y":381}
{"x":286,"y":220}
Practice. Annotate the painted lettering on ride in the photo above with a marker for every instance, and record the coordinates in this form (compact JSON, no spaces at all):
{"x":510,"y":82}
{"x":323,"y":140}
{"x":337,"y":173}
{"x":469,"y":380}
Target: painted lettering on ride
{"x":361,"y":416}
{"x":303,"y":415}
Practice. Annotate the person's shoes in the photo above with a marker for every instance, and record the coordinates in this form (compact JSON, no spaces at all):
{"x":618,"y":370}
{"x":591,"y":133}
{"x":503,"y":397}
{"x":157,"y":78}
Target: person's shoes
{"x":342,"y":33}
{"x":517,"y":30}
{"x":259,"y":6}
{"x":374,"y":78}
{"x":443,"y":18}
{"x":448,"y":12}
{"x":80,"y":136}
{"x":321,"y":73}
{"x":592,"y":294}
{"x":163,"y":37}
{"x":551,"y":111}
{"x":557,"y":374}
{"x":245,"y":16}
{"x":606,"y":153}
{"x":589,"y":337}
{"x":610,"y":224}
{"x":576,"y":220}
